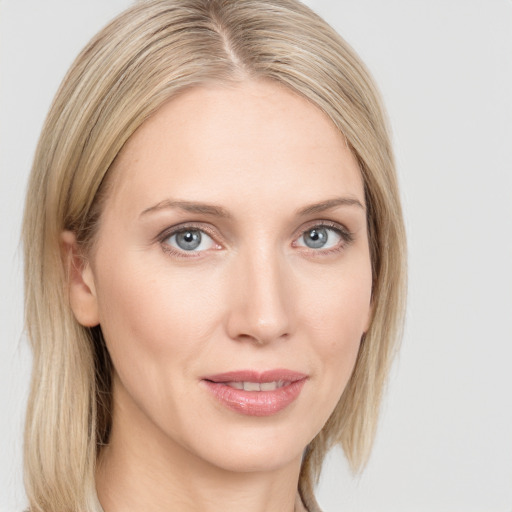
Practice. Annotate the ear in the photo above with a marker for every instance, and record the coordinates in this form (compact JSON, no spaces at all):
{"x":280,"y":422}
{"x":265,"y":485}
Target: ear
{"x":369,"y":318}
{"x":80,"y":281}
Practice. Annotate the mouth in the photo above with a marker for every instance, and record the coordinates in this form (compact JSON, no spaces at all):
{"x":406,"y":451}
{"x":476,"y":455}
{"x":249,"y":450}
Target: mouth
{"x":257,"y":386}
{"x":256,"y":394}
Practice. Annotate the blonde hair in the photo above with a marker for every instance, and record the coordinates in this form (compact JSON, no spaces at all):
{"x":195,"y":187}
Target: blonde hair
{"x":145,"y":56}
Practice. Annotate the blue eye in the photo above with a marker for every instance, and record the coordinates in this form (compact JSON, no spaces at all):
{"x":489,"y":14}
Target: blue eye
{"x":190,"y":240}
{"x":320,"y":237}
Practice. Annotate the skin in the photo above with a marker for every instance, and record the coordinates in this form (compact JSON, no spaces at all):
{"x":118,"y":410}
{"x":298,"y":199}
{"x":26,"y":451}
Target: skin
{"x":254,"y":296}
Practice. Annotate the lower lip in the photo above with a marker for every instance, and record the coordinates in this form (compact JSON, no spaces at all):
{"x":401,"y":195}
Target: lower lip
{"x":256,"y":403}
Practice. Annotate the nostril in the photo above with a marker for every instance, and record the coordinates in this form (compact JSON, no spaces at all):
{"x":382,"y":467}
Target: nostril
{"x":263,"y":338}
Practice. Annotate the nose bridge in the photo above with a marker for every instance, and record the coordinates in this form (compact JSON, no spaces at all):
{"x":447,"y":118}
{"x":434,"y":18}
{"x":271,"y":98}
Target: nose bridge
{"x":261,"y":305}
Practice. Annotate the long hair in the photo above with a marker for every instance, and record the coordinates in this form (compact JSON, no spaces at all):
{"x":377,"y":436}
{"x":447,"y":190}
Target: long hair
{"x":144,"y":57}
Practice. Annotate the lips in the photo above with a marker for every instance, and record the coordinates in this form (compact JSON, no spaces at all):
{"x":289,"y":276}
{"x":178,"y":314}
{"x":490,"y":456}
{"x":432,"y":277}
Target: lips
{"x":254,"y":393}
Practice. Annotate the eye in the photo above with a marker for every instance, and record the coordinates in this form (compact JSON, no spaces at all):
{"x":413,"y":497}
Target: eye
{"x":190,"y":240}
{"x":320,"y":237}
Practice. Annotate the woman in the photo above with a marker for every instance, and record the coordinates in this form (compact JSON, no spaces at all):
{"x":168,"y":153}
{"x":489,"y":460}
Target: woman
{"x":214,"y":263}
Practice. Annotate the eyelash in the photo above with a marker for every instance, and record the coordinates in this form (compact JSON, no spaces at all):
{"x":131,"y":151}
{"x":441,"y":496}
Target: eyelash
{"x":346,"y":239}
{"x":168,"y":233}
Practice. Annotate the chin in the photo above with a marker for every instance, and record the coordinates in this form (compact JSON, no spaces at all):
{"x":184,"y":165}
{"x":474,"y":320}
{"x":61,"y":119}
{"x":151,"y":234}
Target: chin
{"x":265,"y":447}
{"x":255,"y":458}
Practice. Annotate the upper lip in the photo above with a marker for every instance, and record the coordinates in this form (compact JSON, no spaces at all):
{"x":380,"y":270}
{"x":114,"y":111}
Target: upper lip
{"x":256,"y":376}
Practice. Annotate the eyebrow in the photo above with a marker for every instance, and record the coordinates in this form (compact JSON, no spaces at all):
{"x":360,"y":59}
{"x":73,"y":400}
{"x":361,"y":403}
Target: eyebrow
{"x":188,"y":206}
{"x":219,"y":211}
{"x":329,"y":205}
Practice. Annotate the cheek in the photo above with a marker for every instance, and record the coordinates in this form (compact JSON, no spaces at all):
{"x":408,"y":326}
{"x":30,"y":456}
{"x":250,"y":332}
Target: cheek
{"x":148,"y":320}
{"x":339,"y":308}
{"x":155,"y":329}
{"x":339,"y":336}
{"x":336,"y":320}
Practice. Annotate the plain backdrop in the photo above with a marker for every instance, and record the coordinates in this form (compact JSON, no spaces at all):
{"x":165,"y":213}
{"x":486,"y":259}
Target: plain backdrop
{"x":445,"y":71}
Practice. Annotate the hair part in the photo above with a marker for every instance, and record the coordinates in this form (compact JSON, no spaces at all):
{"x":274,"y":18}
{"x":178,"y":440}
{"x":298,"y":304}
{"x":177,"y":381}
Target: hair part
{"x":144,"y":57}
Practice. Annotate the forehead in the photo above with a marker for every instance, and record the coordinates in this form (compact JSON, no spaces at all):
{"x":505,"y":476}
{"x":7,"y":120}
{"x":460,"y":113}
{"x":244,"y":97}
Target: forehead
{"x":244,"y":142}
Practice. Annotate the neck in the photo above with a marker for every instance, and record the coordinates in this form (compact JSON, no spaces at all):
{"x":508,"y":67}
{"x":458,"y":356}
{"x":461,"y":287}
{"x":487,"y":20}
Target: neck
{"x":142,"y":468}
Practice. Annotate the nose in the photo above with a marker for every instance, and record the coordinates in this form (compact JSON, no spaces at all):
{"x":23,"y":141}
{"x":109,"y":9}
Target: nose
{"x":261,"y":297}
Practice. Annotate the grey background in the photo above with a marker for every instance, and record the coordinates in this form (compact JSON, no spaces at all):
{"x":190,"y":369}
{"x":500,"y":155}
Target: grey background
{"x":445,"y":71}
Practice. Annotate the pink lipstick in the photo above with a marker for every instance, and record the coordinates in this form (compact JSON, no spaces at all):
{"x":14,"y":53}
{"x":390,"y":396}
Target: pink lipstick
{"x":256,"y":393}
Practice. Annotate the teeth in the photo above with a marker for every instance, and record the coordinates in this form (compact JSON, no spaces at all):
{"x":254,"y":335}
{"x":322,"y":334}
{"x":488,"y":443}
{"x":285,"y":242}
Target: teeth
{"x":256,"y":386}
{"x":236,"y":385}
{"x":251,"y":386}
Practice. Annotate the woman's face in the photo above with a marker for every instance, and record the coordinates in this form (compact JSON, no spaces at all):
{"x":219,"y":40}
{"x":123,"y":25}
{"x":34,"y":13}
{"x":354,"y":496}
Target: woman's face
{"x":231,"y":276}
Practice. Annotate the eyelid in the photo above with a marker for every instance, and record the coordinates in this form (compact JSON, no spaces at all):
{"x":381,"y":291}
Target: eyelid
{"x":346,"y":235}
{"x":184,"y":226}
{"x":321,"y":223}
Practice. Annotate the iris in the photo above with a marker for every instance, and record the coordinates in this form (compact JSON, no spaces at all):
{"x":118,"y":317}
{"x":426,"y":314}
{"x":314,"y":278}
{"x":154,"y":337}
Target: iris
{"x":316,"y":238}
{"x":188,"y":240}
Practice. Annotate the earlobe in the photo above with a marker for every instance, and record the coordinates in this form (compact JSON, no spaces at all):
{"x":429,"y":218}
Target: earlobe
{"x":80,"y":281}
